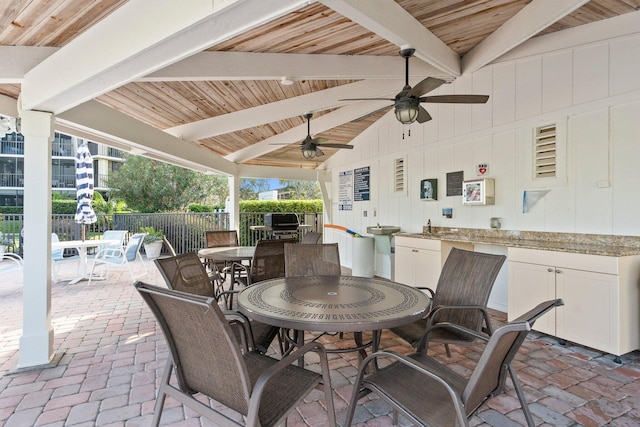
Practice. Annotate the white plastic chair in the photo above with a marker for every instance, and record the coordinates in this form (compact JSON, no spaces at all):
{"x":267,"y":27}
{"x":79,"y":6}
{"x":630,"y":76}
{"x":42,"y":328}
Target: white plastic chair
{"x":9,"y":262}
{"x":57,"y":257}
{"x":118,"y":235}
{"x":111,"y":256}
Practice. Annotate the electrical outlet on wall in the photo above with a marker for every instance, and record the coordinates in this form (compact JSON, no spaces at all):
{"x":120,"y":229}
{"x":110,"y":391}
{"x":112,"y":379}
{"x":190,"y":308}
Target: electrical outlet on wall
{"x":364,"y":214}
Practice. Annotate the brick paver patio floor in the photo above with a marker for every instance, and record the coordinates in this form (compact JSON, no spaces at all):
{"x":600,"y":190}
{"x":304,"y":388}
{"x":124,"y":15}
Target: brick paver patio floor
{"x":112,"y":357}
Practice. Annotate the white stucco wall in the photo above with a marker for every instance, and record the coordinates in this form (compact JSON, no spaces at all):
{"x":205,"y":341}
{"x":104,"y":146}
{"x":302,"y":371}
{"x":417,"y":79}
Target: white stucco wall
{"x":590,"y":91}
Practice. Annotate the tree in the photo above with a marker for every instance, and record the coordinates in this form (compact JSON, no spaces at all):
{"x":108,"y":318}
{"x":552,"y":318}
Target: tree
{"x":148,"y":185}
{"x":250,"y":187}
{"x":302,"y":190}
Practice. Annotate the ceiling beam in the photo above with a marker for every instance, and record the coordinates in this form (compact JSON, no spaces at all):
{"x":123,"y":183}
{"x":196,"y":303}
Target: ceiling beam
{"x":18,"y":60}
{"x":284,"y":109}
{"x":214,"y":66}
{"x":139,"y":38}
{"x":297,"y":134}
{"x":533,"y":18}
{"x":390,"y":21}
{"x":132,"y":135}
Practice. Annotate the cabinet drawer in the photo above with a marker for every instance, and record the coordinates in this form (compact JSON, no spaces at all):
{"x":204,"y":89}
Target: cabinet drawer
{"x":585,"y":262}
{"x":410,"y":242}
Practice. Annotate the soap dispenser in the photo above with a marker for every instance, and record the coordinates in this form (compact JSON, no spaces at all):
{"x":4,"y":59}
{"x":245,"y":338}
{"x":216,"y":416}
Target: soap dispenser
{"x":429,"y":226}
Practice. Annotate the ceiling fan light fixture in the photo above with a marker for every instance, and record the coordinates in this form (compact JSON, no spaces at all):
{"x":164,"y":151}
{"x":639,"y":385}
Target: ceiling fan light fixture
{"x":406,"y":111}
{"x":308,"y":153}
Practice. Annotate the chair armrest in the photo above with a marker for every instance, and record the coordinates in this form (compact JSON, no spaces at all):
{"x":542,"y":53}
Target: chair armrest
{"x":430,"y":291}
{"x":238,"y":267}
{"x":237,"y":318}
{"x":456,"y":399}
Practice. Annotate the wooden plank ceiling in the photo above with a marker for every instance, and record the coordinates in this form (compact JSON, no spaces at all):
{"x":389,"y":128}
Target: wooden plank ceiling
{"x":313,"y":29}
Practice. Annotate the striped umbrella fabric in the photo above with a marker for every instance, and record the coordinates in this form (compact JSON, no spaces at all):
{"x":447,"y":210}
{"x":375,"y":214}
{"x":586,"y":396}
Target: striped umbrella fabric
{"x":84,"y":187}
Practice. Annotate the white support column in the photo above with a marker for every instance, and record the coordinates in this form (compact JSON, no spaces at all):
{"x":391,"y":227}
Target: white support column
{"x":36,"y":342}
{"x":234,"y":195}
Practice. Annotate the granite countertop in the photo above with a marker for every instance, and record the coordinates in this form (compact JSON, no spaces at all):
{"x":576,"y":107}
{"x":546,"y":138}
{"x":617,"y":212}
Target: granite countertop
{"x":594,"y":244}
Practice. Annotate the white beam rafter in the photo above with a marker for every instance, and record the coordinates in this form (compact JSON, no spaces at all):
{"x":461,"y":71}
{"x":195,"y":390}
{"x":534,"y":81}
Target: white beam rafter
{"x":390,"y":21}
{"x":18,"y":60}
{"x":130,"y":134}
{"x":213,"y":66}
{"x":284,"y":109}
{"x":533,"y":18}
{"x":296,"y":135}
{"x":139,"y":38}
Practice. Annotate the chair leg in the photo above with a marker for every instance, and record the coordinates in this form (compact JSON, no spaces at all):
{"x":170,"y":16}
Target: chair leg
{"x":157,"y":409}
{"x":523,"y":401}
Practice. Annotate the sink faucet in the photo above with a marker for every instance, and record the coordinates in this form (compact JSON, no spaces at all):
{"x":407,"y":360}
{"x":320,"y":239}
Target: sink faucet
{"x":378,"y":225}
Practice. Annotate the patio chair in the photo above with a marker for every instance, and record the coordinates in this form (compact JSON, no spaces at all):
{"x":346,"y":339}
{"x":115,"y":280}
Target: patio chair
{"x":207,"y":360}
{"x":311,"y":237}
{"x":320,"y":259}
{"x":118,"y":235}
{"x":429,"y":393}
{"x":461,"y":298}
{"x":267,"y":263}
{"x":109,"y":257}
{"x":185,"y":273}
{"x":10,"y":261}
{"x":57,"y":258}
{"x":220,"y":239}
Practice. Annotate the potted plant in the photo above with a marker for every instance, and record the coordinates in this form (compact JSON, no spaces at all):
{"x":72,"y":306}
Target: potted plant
{"x":152,"y":241}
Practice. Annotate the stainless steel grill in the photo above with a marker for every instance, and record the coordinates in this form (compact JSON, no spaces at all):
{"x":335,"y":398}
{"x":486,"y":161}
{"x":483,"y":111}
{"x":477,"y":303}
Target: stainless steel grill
{"x":283,"y":225}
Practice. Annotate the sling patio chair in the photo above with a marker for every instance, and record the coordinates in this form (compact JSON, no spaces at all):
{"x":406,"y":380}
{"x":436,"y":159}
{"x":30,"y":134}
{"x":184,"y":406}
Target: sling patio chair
{"x":267,"y":263}
{"x":220,"y":239}
{"x":461,"y":297}
{"x":113,"y":257}
{"x":207,"y":360}
{"x":430,"y":394}
{"x":320,"y":259}
{"x":58,"y":257}
{"x":185,"y":273}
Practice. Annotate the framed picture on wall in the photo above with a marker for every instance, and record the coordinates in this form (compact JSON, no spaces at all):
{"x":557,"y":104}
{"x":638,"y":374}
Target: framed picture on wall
{"x":429,"y":189}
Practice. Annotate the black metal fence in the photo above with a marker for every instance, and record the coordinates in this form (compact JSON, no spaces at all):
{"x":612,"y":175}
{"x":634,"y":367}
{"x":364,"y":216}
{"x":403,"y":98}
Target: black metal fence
{"x":185,"y":231}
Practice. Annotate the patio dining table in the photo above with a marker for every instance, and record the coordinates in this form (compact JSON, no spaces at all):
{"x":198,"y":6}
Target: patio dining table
{"x":229,"y":255}
{"x":82,"y":246}
{"x":333,"y":304}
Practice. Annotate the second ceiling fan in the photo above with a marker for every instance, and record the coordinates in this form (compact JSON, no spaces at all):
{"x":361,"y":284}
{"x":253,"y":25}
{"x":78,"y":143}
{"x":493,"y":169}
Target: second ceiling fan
{"x":309,"y":146}
{"x":407,"y":102}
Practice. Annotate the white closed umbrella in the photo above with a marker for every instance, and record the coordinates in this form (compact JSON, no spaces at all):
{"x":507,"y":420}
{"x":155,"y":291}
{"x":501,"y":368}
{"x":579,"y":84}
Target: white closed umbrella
{"x":84,"y":187}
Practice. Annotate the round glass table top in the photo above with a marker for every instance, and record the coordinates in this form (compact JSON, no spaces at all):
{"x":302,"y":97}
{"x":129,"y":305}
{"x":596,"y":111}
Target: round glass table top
{"x":333,"y":303}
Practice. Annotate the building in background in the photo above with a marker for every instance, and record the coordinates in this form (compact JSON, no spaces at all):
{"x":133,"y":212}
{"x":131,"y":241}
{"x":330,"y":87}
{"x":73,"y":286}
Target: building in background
{"x":63,"y":151}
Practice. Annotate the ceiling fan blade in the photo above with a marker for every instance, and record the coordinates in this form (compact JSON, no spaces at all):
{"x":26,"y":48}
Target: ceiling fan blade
{"x":318,"y":140}
{"x":425,"y":86}
{"x":367,"y":99}
{"x":423,"y":115}
{"x":349,"y":147}
{"x":456,"y":99}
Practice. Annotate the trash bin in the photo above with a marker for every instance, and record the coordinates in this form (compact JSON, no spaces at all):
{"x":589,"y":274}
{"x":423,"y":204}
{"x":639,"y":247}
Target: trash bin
{"x":363,"y":257}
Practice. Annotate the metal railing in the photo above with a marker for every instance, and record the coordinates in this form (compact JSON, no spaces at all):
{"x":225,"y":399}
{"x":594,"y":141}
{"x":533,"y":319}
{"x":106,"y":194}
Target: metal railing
{"x":185,"y":231}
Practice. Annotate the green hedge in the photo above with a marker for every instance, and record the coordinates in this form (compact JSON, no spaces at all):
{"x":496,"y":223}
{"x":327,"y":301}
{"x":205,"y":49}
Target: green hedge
{"x":299,"y":206}
{"x":60,"y":207}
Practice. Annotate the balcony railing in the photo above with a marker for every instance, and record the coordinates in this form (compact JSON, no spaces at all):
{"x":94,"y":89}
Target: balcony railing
{"x":13,"y":147}
{"x":11,"y":180}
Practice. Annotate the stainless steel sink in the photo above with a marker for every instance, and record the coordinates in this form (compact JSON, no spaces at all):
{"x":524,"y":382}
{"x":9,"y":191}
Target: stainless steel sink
{"x":383,"y":229}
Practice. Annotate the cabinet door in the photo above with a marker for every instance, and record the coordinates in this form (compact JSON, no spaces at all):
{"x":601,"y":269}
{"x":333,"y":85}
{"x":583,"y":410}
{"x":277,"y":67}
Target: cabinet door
{"x":529,"y":285}
{"x":589,"y":315}
{"x":417,"y":267}
{"x":404,"y":266}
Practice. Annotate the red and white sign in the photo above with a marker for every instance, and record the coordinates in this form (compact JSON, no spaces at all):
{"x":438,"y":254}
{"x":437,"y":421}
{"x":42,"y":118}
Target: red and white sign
{"x":482,"y":169}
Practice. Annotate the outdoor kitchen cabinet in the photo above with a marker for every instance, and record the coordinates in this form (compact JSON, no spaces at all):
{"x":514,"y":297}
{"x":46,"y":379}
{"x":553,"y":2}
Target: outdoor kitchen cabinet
{"x":601,"y":296}
{"x":418,"y":261}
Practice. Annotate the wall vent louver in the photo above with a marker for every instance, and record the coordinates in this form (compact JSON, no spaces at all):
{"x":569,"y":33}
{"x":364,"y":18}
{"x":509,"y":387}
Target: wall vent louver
{"x":545,"y":158}
{"x":398,"y":175}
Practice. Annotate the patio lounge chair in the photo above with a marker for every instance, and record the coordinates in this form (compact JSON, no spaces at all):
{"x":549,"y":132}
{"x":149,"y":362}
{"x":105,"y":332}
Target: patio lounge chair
{"x":207,"y":360}
{"x":429,"y":393}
